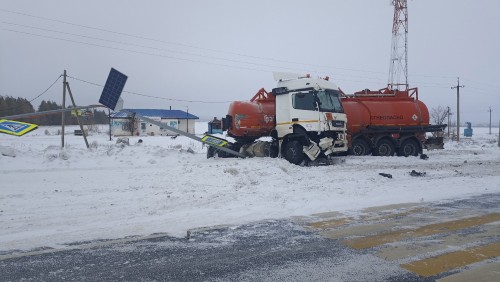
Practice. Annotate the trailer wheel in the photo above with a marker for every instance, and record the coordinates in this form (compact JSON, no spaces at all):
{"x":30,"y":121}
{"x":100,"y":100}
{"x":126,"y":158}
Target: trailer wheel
{"x":409,"y":148}
{"x":384,"y":148}
{"x":360,"y":147}
{"x":293,"y":152}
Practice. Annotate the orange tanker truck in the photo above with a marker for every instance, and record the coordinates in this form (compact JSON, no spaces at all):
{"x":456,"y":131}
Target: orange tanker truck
{"x":303,"y":117}
{"x":388,"y":122}
{"x":309,"y":120}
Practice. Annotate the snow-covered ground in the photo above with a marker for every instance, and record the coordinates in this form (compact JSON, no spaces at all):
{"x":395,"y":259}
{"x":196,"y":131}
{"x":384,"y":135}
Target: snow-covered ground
{"x":50,"y":196}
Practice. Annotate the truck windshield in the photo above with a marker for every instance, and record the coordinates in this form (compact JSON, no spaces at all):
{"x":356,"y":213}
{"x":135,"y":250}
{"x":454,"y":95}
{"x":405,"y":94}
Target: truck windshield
{"x":327,"y":100}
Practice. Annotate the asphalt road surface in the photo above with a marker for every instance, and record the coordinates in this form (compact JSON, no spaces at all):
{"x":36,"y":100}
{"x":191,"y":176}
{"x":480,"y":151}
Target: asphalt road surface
{"x":445,"y":241}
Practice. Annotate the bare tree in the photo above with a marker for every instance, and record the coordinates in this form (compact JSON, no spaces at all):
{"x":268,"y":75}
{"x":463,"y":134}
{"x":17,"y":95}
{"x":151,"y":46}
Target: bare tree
{"x":131,"y":124}
{"x":439,"y":114}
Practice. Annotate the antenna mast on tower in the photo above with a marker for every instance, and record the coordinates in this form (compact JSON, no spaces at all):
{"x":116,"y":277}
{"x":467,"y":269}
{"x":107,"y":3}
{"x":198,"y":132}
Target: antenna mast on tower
{"x":398,"y":70}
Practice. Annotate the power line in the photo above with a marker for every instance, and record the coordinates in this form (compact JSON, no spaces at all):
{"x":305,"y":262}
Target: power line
{"x":430,"y":86}
{"x":180,"y":52}
{"x":45,"y":91}
{"x":151,"y":96}
{"x":434,"y":85}
{"x":208,"y":49}
{"x":484,"y":90}
{"x":141,"y":52}
{"x":495,"y":87}
{"x":80,"y":35}
{"x":38,"y":96}
{"x":176,"y":58}
{"x":131,"y":35}
{"x":167,"y":50}
{"x":337,"y":75}
{"x":185,"y":45}
{"x":374,"y":79}
{"x":141,"y":46}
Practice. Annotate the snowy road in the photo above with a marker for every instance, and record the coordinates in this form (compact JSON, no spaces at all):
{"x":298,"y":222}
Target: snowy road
{"x":314,"y":248}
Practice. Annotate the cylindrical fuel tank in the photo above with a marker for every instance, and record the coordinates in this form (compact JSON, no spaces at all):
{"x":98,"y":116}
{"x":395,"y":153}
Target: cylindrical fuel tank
{"x":383,"y":111}
{"x":251,"y":119}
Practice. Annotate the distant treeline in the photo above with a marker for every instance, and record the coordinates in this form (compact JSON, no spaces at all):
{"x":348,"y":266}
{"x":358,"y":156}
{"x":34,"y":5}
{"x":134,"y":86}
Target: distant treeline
{"x":15,"y":106}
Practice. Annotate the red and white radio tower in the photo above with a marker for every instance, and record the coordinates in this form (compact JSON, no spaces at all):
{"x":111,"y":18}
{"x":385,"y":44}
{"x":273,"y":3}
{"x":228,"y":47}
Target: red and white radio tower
{"x":398,"y":70}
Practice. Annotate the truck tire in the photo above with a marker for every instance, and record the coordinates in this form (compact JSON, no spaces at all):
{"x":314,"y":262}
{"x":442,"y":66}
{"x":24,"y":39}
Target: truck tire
{"x":384,"y":148}
{"x":274,"y":150}
{"x":409,"y":147}
{"x":360,"y":148}
{"x":293,"y":152}
{"x":210,"y":152}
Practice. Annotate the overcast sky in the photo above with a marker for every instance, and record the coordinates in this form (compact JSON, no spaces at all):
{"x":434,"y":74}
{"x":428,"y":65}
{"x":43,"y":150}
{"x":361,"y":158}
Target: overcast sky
{"x":202,"y":54}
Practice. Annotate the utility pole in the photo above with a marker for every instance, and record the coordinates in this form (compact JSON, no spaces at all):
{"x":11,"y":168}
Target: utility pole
{"x":63,"y":115}
{"x":490,"y":119}
{"x":448,"y":114}
{"x":66,"y":87}
{"x":187,"y":119}
{"x":109,"y":119}
{"x":458,"y":106}
{"x":80,"y":123}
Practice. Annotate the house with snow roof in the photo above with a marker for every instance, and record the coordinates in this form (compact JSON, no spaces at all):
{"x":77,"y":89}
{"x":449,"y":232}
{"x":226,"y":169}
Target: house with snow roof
{"x":127,"y":124}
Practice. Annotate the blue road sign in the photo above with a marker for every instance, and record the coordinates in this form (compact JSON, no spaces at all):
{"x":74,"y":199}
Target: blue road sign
{"x":16,"y":128}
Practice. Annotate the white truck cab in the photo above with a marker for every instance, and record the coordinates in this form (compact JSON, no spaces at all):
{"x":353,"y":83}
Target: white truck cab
{"x":309,"y":117}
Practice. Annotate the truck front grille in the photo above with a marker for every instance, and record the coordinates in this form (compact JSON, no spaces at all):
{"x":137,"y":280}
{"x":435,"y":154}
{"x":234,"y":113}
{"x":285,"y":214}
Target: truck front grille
{"x":338,"y":123}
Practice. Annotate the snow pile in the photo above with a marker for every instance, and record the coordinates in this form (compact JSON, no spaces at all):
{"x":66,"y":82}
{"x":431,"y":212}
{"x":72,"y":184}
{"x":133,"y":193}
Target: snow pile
{"x":51,"y":196}
{"x":7,"y":151}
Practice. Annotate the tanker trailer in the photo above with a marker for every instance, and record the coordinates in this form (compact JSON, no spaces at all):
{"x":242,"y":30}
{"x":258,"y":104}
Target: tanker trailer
{"x":387,"y":122}
{"x":302,"y":116}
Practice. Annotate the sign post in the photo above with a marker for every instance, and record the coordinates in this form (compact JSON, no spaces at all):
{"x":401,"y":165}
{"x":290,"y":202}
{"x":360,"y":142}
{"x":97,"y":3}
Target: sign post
{"x":110,"y":98}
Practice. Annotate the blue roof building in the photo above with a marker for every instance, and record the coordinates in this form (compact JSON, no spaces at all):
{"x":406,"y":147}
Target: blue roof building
{"x":126,"y":124}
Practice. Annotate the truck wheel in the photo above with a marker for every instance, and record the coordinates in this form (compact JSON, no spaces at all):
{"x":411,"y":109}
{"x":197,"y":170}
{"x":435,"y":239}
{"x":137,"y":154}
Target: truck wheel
{"x":384,"y":148}
{"x":211,"y":151}
{"x":293,"y":152}
{"x":274,"y":150}
{"x":360,"y":148}
{"x":409,"y":148}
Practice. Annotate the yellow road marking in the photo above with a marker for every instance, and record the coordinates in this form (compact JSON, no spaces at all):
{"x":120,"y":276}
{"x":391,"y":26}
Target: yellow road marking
{"x":368,"y":229}
{"x":391,"y":207}
{"x":330,"y":214}
{"x":372,"y":241}
{"x":394,"y":215}
{"x":336,"y":222}
{"x":357,"y":230}
{"x":435,"y":265}
{"x":485,"y":273}
{"x":328,"y":223}
{"x":487,"y":233}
